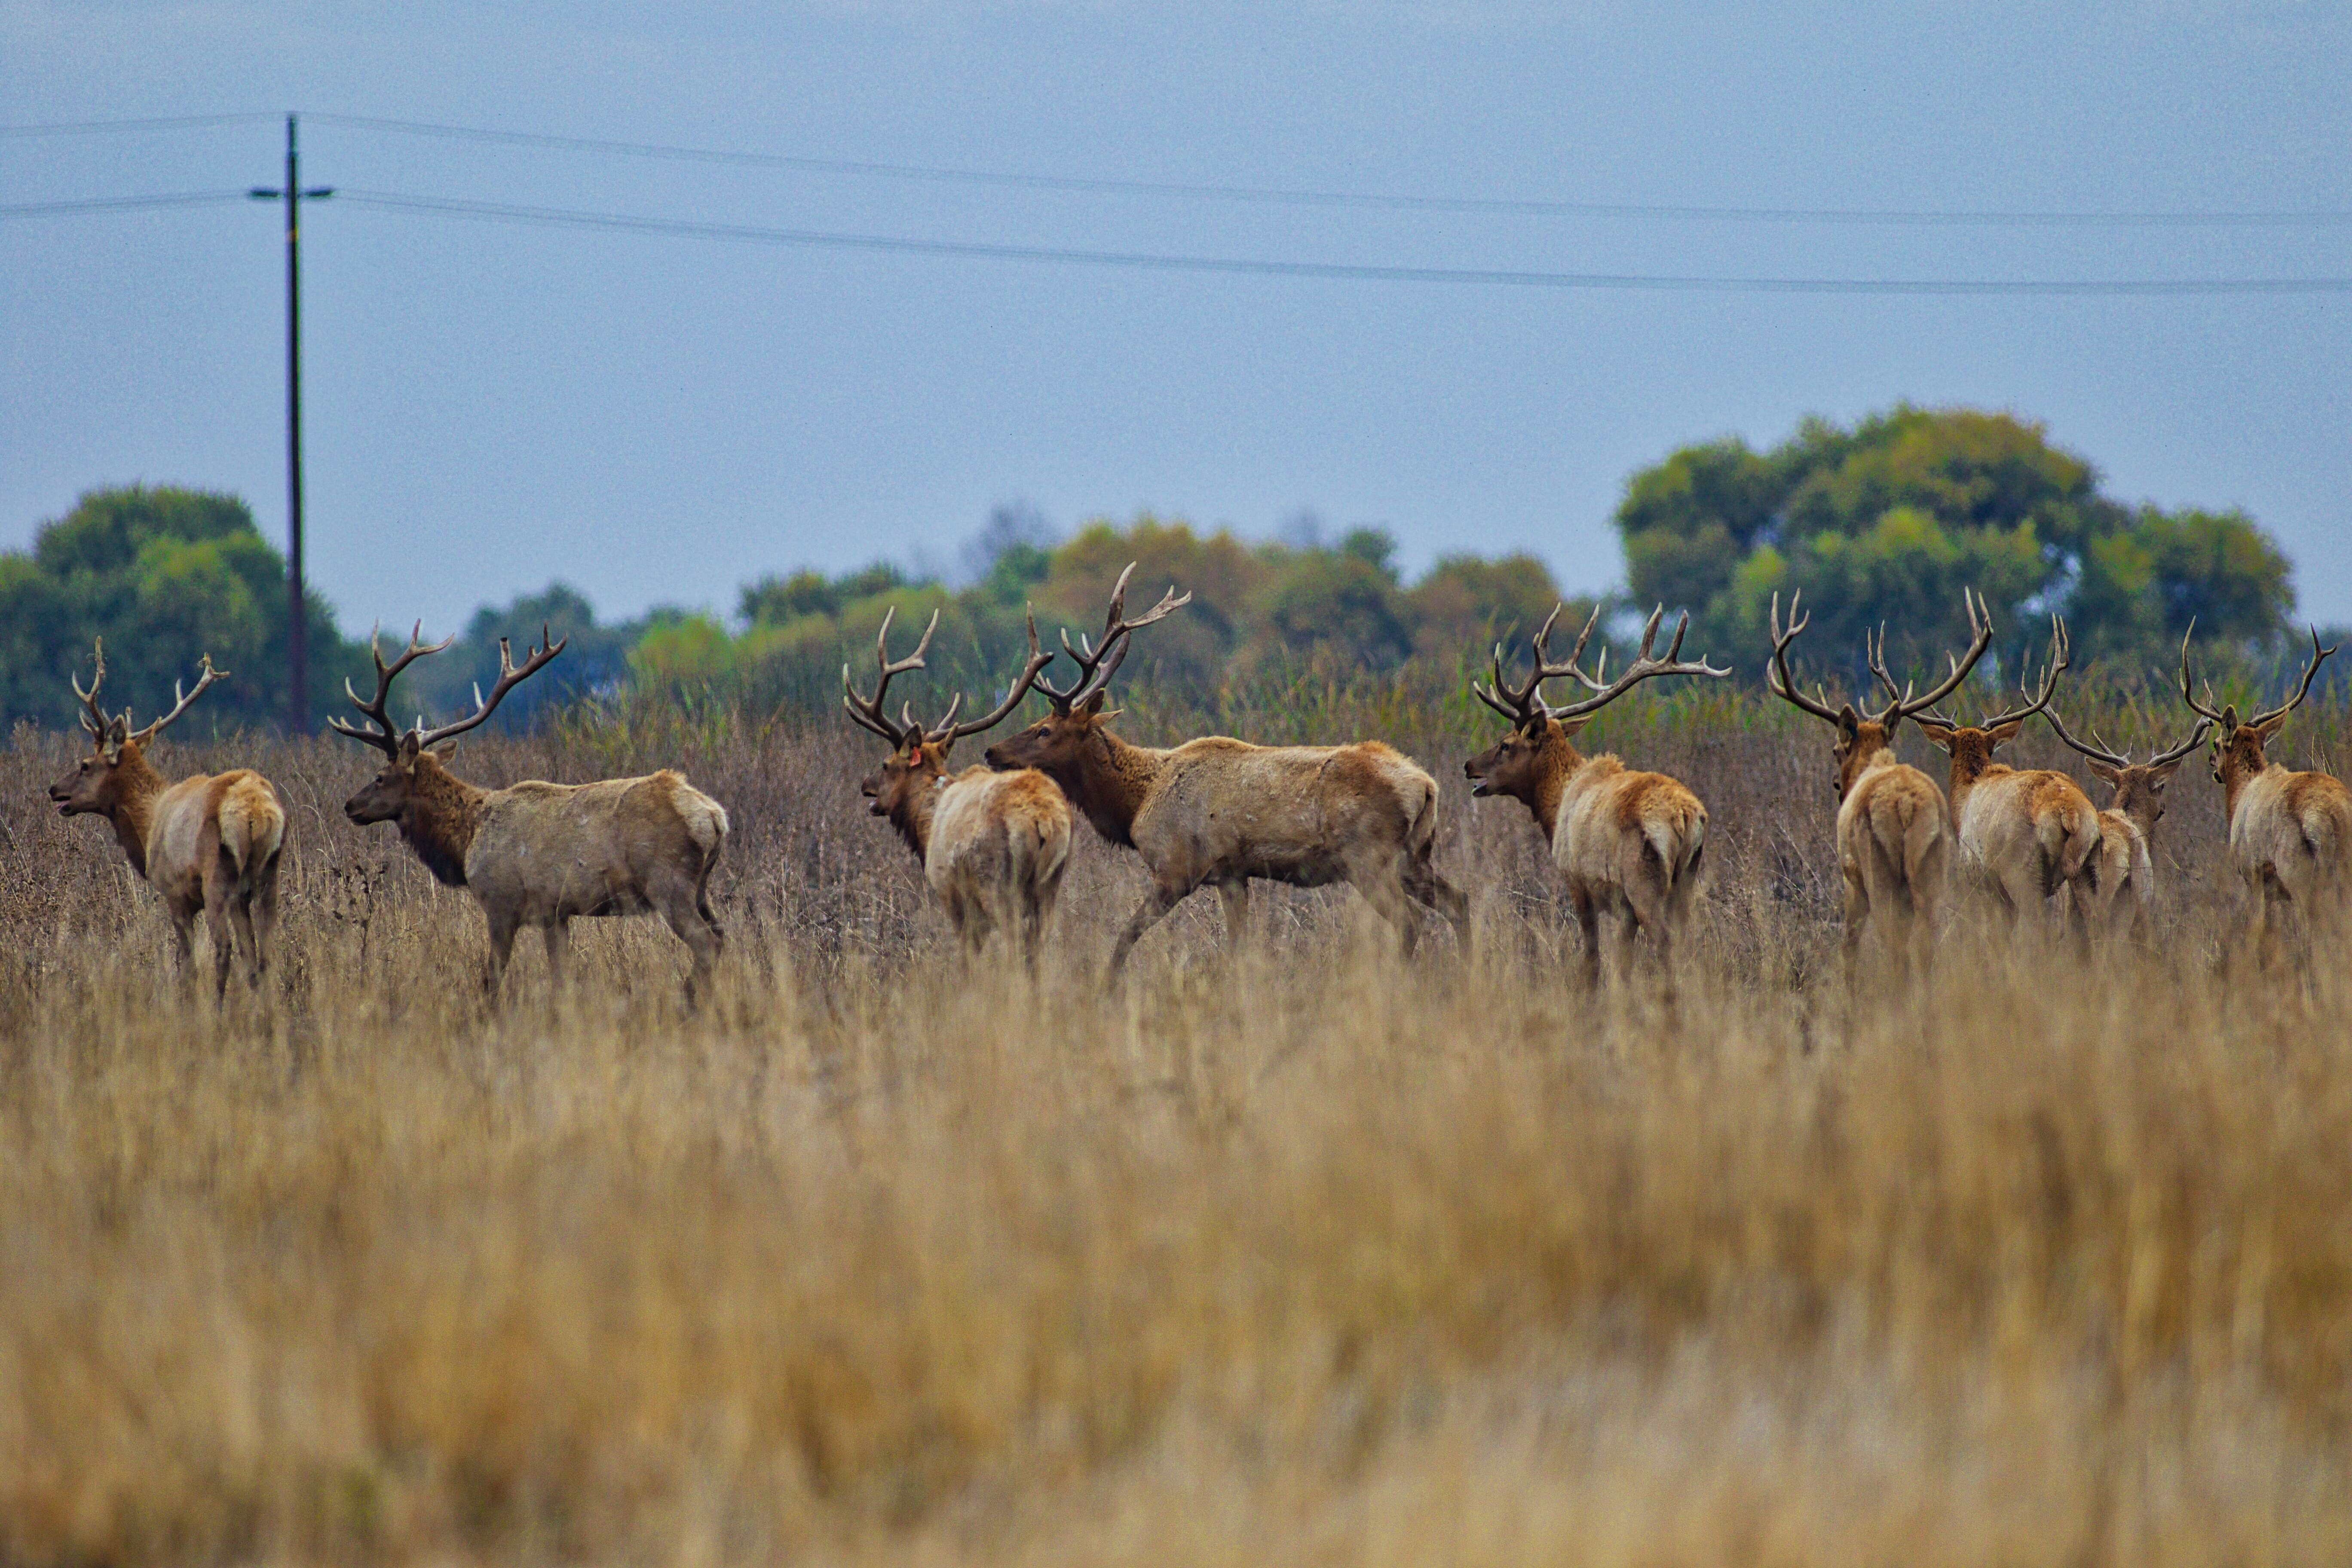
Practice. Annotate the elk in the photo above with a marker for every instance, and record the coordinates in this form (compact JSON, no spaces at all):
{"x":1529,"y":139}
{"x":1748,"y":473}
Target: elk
{"x":2289,"y":832}
{"x":992,"y":844}
{"x":2120,"y":880}
{"x":2025,"y":833}
{"x":1892,"y":844}
{"x":209,"y":843}
{"x":1629,"y":844}
{"x":1217,"y":812}
{"x":539,"y":853}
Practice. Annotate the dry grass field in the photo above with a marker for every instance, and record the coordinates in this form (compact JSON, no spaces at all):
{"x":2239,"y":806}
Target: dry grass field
{"x":1297,"y":1254}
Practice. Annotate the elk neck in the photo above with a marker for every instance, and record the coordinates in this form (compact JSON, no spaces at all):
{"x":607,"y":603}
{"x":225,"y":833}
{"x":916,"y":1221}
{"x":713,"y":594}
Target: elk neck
{"x":1110,"y":782}
{"x":2238,"y":771}
{"x":136,"y":785}
{"x":440,"y":817}
{"x":1556,"y":766}
{"x":912,"y":811}
{"x":1972,"y":765}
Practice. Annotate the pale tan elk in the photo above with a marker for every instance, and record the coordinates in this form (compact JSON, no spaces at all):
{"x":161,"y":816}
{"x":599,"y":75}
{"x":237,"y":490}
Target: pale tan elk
{"x":992,"y":844}
{"x":1217,"y":811}
{"x":207,"y":844}
{"x":2121,"y":878}
{"x":2290,"y":833}
{"x":539,"y":853}
{"x":1893,"y":843}
{"x":2025,"y":833}
{"x":1629,"y":844}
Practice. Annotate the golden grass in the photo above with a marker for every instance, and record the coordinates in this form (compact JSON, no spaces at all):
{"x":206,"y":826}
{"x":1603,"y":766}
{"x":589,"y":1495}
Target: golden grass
{"x":1297,"y":1256}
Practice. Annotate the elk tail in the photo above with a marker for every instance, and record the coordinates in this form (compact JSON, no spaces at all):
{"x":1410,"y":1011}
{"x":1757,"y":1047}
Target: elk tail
{"x":2069,"y":837}
{"x":704,"y":819}
{"x":1922,"y":842}
{"x":1422,"y":833}
{"x":252,"y":825}
{"x":1677,"y":837}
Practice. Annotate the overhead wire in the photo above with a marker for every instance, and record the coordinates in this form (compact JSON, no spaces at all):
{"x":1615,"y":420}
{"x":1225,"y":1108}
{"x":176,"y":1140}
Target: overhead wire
{"x":503,"y":212}
{"x":117,"y":204}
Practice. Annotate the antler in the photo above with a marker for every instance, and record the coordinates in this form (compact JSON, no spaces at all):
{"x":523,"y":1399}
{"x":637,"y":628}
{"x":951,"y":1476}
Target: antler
{"x":1777,"y":675}
{"x":93,"y":719}
{"x":180,"y":703}
{"x":1521,"y":704}
{"x":1643,"y":667}
{"x":509,"y":676}
{"x":2098,"y":752}
{"x":1098,"y":662}
{"x":2318,"y":656}
{"x":867,"y":711}
{"x":947,"y":732}
{"x":2187,"y":691}
{"x":2061,"y":656}
{"x":1901,"y":705}
{"x":383,"y":737}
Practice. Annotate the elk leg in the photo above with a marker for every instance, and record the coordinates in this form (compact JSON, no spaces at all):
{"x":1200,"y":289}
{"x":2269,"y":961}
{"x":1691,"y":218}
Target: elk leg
{"x":557,"y":934}
{"x":1384,"y":890}
{"x":1423,"y":883}
{"x":263,"y":907}
{"x":1588,"y":923}
{"x":503,"y":927}
{"x":220,"y":891}
{"x":1236,"y":898}
{"x":683,"y":910}
{"x":1162,"y":898}
{"x":240,"y":914}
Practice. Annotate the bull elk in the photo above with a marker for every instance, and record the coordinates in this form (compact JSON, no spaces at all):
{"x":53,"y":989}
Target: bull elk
{"x":1893,"y":843}
{"x":1629,"y":844}
{"x":992,"y":844}
{"x":1217,"y":811}
{"x":2290,"y":832}
{"x":539,"y":853}
{"x":2026,"y":833}
{"x":2121,"y":879}
{"x":208,"y":844}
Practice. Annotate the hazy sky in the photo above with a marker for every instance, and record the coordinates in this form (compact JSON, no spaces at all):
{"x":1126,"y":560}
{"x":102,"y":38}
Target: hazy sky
{"x":660,"y":418}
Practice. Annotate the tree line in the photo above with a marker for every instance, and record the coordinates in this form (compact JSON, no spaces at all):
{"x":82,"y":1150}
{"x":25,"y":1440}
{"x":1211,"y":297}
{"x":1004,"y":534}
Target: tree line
{"x":1885,"y":521}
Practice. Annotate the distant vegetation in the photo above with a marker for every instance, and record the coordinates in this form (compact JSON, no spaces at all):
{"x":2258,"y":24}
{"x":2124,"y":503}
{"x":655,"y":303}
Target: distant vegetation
{"x":1883,"y":522}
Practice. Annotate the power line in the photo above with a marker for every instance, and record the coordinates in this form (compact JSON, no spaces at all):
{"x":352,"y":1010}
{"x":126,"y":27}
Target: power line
{"x":117,"y":204}
{"x":169,"y":122}
{"x":499,"y":211}
{"x":1330,"y":198}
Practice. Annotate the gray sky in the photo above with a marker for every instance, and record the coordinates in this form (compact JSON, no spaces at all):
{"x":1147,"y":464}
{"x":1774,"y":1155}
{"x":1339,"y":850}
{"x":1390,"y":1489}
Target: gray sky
{"x":659,"y":419}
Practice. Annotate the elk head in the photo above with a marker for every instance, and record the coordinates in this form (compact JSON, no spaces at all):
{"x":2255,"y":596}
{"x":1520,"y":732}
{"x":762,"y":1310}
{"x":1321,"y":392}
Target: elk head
{"x":97,"y":782}
{"x":2138,"y":786}
{"x":1971,"y":746}
{"x":1539,"y":748}
{"x":411,"y":765}
{"x":1057,"y":744}
{"x":1863,"y":735}
{"x":2238,"y":746}
{"x":919,"y":756}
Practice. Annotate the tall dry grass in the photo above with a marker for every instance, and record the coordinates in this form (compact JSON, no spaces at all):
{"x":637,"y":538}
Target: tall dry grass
{"x":1291,"y":1255}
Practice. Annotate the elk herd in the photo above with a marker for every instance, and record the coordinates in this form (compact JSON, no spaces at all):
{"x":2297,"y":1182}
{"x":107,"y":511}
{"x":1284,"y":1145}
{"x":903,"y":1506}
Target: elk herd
{"x":993,"y":840}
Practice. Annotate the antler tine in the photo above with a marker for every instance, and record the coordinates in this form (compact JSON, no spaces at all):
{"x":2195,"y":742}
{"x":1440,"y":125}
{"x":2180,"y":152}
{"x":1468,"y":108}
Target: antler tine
{"x":1980,"y":639}
{"x":1776,"y":674}
{"x":180,"y":703}
{"x":1643,"y":667}
{"x":868,"y":710}
{"x":1575,"y":665}
{"x":2318,"y":656}
{"x":94,"y":719}
{"x":509,"y":676}
{"x":2187,"y":685}
{"x":949,"y":731}
{"x":2195,"y":739}
{"x":2060,"y":656}
{"x":1876,"y":659}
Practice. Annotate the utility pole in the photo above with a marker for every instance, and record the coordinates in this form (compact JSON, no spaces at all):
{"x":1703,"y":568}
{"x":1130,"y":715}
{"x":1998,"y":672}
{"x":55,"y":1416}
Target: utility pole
{"x":298,"y":696}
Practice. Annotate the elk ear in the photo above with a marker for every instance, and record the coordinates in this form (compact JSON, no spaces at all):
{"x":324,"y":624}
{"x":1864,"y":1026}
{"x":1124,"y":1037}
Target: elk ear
{"x":445,"y":750}
{"x":2270,"y":726}
{"x":1572,"y":727}
{"x":410,"y":744}
{"x":1092,"y":707}
{"x":1849,"y":723}
{"x":2228,"y":721}
{"x":2003,"y":733}
{"x":940,"y":748}
{"x":117,"y":736}
{"x":2162,"y":775}
{"x":2105,"y":773}
{"x":1937,"y":734}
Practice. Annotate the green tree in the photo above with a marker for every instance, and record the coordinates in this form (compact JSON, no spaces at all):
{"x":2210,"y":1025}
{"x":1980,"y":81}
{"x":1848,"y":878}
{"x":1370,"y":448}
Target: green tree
{"x":1887,"y":522}
{"x":165,"y":575}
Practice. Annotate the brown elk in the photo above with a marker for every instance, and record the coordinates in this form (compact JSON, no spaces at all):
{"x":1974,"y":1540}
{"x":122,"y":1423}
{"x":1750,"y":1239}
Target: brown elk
{"x":2290,"y":833}
{"x":539,"y":853}
{"x":993,"y":845}
{"x":1629,"y":844}
{"x":2120,"y":880}
{"x":1892,"y":841}
{"x":1217,"y":812}
{"x":2025,"y":833}
{"x":208,"y":844}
